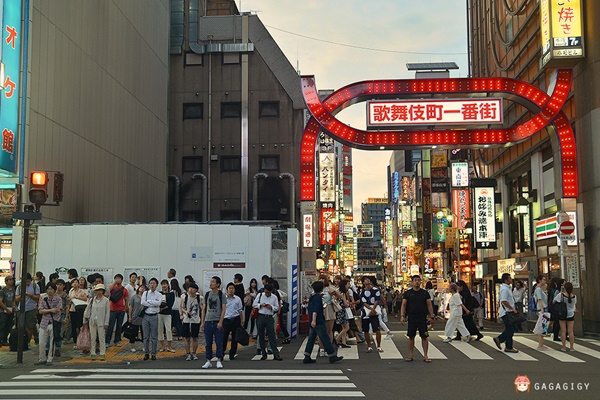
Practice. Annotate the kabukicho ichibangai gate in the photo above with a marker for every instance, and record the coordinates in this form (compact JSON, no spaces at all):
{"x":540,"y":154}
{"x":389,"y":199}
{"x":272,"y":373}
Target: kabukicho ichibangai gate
{"x":465,"y":217}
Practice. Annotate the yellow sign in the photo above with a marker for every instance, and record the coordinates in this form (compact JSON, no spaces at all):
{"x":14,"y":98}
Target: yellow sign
{"x":372,"y":200}
{"x":545,"y":25}
{"x":562,"y":32}
{"x":566,"y":19}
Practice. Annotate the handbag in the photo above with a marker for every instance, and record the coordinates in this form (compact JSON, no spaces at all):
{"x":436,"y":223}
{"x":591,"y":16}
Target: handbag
{"x":349,"y":313}
{"x":336,"y":305}
{"x":241,"y":336}
{"x":559,"y":310}
{"x":514,"y":318}
{"x":84,"y":340}
{"x":254,"y":312}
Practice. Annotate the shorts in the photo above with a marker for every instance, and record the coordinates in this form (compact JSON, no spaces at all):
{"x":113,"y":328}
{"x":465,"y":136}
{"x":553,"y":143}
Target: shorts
{"x":31,"y":319}
{"x":419,"y":324}
{"x":190,"y":330}
{"x":373,"y":321}
{"x":568,"y":319}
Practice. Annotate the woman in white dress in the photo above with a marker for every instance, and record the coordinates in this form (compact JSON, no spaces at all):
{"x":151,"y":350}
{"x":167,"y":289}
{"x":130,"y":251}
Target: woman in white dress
{"x":455,"y":321}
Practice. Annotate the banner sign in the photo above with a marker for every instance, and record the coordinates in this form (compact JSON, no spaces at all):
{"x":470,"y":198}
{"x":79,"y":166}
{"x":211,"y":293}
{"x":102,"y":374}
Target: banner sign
{"x":485,"y":221}
{"x":562,"y":32}
{"x":461,"y":206}
{"x":327,"y":177}
{"x":460,"y":174}
{"x":307,"y":230}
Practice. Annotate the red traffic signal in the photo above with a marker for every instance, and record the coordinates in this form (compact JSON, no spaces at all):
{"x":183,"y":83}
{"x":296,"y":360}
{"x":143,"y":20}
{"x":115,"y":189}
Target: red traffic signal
{"x":38,"y":187}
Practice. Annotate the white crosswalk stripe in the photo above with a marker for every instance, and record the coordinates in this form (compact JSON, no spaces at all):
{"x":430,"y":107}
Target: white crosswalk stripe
{"x":183,"y":383}
{"x":269,"y":356}
{"x":520,"y":356}
{"x":432,"y":352}
{"x":560,"y":356}
{"x":467,"y":349}
{"x":300,"y":354}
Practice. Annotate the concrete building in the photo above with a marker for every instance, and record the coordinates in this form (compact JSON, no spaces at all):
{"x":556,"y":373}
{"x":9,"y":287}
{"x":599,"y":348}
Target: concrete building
{"x":527,"y":42}
{"x":236,"y":117}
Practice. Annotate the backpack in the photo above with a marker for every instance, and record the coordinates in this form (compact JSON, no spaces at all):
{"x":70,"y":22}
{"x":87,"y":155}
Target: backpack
{"x":187,"y":296}
{"x":532,"y":305}
{"x":220,"y":298}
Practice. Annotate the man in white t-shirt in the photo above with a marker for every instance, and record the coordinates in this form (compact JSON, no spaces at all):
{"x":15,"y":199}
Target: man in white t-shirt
{"x":190,"y":306}
{"x":507,"y":304}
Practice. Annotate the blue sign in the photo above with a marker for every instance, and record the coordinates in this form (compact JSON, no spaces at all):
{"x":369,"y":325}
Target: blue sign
{"x":395,"y":187}
{"x":9,"y":97}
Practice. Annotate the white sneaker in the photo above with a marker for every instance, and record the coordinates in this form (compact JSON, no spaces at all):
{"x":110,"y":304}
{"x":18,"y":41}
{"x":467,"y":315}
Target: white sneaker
{"x":194,"y":356}
{"x":447,"y":340}
{"x":133,"y":350}
{"x":207,"y":365}
{"x":388,"y":336}
{"x":469,"y":339}
{"x":188,"y":357}
{"x":219,"y":365}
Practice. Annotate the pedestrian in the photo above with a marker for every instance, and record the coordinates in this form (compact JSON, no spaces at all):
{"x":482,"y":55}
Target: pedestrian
{"x":119,"y":300}
{"x":49,"y":309}
{"x":567,"y":323}
{"x":553,"y":290}
{"x":83,"y":284}
{"x":175,"y":316}
{"x":142,"y":281}
{"x":541,"y":300}
{"x":191,"y":304}
{"x":71,"y":274}
{"x":417,"y":307}
{"x":234,"y":319}
{"x":239,"y":286}
{"x":249,"y":297}
{"x":97,"y":316}
{"x":371,"y":299}
{"x":7,"y":303}
{"x":136,"y":320}
{"x":455,"y":321}
{"x":132,"y":285}
{"x":342,"y":318}
{"x":165,"y":318}
{"x":469,"y":305}
{"x":32,"y":296}
{"x":267,"y":305}
{"x":478,"y":312}
{"x":282,"y":313}
{"x":171,"y":273}
{"x":78,"y":297}
{"x":355,"y":306}
{"x":317,"y":326}
{"x":213,"y":314}
{"x":397,"y":302}
{"x":187,"y":280}
{"x":507,"y":304}
{"x":519,"y":294}
{"x":329,"y":292}
{"x":431,"y":291}
{"x":151,"y":299}
{"x":389,"y":299}
{"x":40,"y":281}
{"x":64,"y":316}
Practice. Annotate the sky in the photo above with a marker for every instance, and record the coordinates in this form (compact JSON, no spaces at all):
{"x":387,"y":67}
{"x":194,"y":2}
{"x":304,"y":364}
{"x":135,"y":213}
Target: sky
{"x":346,"y":41}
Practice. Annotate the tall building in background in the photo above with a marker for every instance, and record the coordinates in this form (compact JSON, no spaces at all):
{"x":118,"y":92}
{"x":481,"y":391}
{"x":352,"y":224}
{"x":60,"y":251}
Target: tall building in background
{"x":370,"y":255}
{"x":236,"y":117}
{"x":528,"y":42}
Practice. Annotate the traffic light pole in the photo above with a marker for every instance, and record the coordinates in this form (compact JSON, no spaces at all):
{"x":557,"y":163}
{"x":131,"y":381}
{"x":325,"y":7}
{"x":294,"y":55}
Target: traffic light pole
{"x":28,"y":216}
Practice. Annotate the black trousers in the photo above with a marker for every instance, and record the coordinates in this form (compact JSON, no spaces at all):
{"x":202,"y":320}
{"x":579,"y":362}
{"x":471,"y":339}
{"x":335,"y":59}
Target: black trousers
{"x":230,"y":325}
{"x":470,"y":325}
{"x":247,"y":311}
{"x":266,"y":324}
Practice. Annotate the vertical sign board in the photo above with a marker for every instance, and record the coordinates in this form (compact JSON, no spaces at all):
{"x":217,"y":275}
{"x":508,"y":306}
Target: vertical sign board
{"x":460,"y":174}
{"x":9,"y":97}
{"x":461,"y":207}
{"x":327,"y":177}
{"x":347,"y":178}
{"x":307,"y":230}
{"x":395,"y":187}
{"x":485,"y":221}
{"x":561,"y":27}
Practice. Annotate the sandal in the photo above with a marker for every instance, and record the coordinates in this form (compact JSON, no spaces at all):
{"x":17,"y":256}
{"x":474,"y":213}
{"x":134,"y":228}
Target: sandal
{"x":408,"y":359}
{"x":370,"y":350}
{"x":427,"y":360}
{"x":171,"y":350}
{"x":379,"y":349}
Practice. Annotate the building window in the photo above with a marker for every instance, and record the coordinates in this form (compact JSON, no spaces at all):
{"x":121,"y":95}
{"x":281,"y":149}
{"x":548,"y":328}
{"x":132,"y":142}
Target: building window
{"x":231,"y":58}
{"x":193,"y":110}
{"x":191,"y":216}
{"x":269,"y":163}
{"x":231,"y":110}
{"x":191,"y":164}
{"x":268,"y":109}
{"x":231,"y":163}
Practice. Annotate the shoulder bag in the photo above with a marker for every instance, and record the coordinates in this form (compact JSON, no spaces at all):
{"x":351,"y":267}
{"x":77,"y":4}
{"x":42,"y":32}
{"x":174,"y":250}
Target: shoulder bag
{"x":559,"y":309}
{"x":254,"y":312}
{"x":515,"y":318}
{"x":56,"y":325}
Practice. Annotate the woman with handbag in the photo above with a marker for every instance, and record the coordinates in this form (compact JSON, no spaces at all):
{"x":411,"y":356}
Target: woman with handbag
{"x":78,"y":298}
{"x":568,"y":321}
{"x":135,"y":318}
{"x":249,"y":297}
{"x":541,"y":300}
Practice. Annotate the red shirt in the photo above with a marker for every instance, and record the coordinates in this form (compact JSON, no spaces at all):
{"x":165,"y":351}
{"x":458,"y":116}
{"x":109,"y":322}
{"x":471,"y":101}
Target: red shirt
{"x":119,"y":305}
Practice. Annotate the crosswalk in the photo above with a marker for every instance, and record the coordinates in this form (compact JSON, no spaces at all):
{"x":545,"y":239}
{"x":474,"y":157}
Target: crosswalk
{"x":484,"y":350}
{"x":180,"y":383}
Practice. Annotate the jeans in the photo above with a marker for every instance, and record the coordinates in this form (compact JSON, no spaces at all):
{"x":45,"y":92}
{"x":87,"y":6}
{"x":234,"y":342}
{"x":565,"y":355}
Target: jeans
{"x":6,"y":322}
{"x":150,"y":329}
{"x":507,"y":335}
{"x":267,"y":323}
{"x":210,"y":332}
{"x":321,"y":331}
{"x":230,"y":327}
{"x":115,"y":317}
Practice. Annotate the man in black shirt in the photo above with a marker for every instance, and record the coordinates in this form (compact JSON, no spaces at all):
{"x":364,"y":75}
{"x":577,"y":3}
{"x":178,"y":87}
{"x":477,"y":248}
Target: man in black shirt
{"x":416,"y":304}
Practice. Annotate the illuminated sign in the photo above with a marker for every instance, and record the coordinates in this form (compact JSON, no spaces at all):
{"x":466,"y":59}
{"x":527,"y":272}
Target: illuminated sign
{"x":327,"y":176}
{"x":307,"y":225}
{"x":372,"y":200}
{"x":562,"y":32}
{"x":327,"y":226}
{"x":461,"y":207}
{"x":9,"y":97}
{"x":460,"y":174}
{"x":395,"y":187}
{"x":438,"y":230}
{"x":364,"y":231}
{"x":403,"y":261}
{"x":434,"y":112}
{"x":485,"y":222}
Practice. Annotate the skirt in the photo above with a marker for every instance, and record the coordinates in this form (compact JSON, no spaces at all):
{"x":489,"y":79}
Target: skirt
{"x":329,"y":313}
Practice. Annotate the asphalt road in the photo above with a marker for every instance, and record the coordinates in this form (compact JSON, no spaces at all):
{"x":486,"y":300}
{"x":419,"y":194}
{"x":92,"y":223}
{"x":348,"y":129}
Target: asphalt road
{"x":457,"y":371}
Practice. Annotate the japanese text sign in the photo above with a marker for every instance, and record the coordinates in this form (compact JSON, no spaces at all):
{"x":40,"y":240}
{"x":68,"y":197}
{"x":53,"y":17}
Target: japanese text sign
{"x":434,"y":112}
{"x":562,"y":30}
{"x":327,"y":176}
{"x":485,"y":221}
{"x":307,"y":229}
{"x":460,"y":174}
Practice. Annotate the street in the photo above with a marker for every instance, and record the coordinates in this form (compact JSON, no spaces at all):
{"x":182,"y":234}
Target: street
{"x":458,"y":370}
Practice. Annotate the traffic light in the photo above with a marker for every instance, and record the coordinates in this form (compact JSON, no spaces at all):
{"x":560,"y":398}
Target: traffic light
{"x":38,"y":187}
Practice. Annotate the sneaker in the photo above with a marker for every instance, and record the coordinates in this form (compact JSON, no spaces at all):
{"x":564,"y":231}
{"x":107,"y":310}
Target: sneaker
{"x":469,"y":339}
{"x":232,"y":357}
{"x":146,"y":357}
{"x":107,"y":345}
{"x":153,"y":358}
{"x":102,"y":357}
{"x":334,"y":359}
{"x":194,"y":356}
{"x":511,"y":351}
{"x":308,"y":360}
{"x":388,"y":336}
{"x":219,"y":365}
{"x":207,"y":365}
{"x":133,"y":350}
{"x":447,"y":340}
{"x":188,"y":357}
{"x":93,"y":357}
{"x":269,"y":351}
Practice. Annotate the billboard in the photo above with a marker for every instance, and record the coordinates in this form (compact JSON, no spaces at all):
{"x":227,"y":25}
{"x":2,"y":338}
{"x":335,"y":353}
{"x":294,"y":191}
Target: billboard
{"x":485,"y":221}
{"x":364,"y":231}
{"x":561,"y":26}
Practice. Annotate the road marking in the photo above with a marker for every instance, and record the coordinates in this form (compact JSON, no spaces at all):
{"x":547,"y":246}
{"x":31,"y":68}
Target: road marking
{"x":390,"y":351}
{"x":165,"y":384}
{"x":350,"y":353}
{"x":433,"y":352}
{"x":300,"y":353}
{"x":125,"y":372}
{"x":592,"y":341}
{"x":520,"y":356}
{"x":586,"y":350}
{"x":214,"y":377}
{"x":559,"y":355}
{"x":470,"y":351}
{"x":174,"y":393}
{"x":269,"y":356}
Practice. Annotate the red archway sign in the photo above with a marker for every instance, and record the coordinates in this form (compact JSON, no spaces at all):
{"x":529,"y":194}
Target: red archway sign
{"x":548,"y":112}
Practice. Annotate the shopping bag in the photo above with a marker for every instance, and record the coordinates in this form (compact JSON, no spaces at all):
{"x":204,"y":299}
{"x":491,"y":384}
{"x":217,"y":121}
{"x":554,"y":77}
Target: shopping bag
{"x":541,"y":326}
{"x":349,"y":313}
{"x":83,"y":340}
{"x":241,"y":336}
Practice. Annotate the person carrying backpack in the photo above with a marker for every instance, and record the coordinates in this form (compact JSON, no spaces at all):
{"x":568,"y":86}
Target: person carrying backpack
{"x":213,"y":314}
{"x":191,"y":304}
